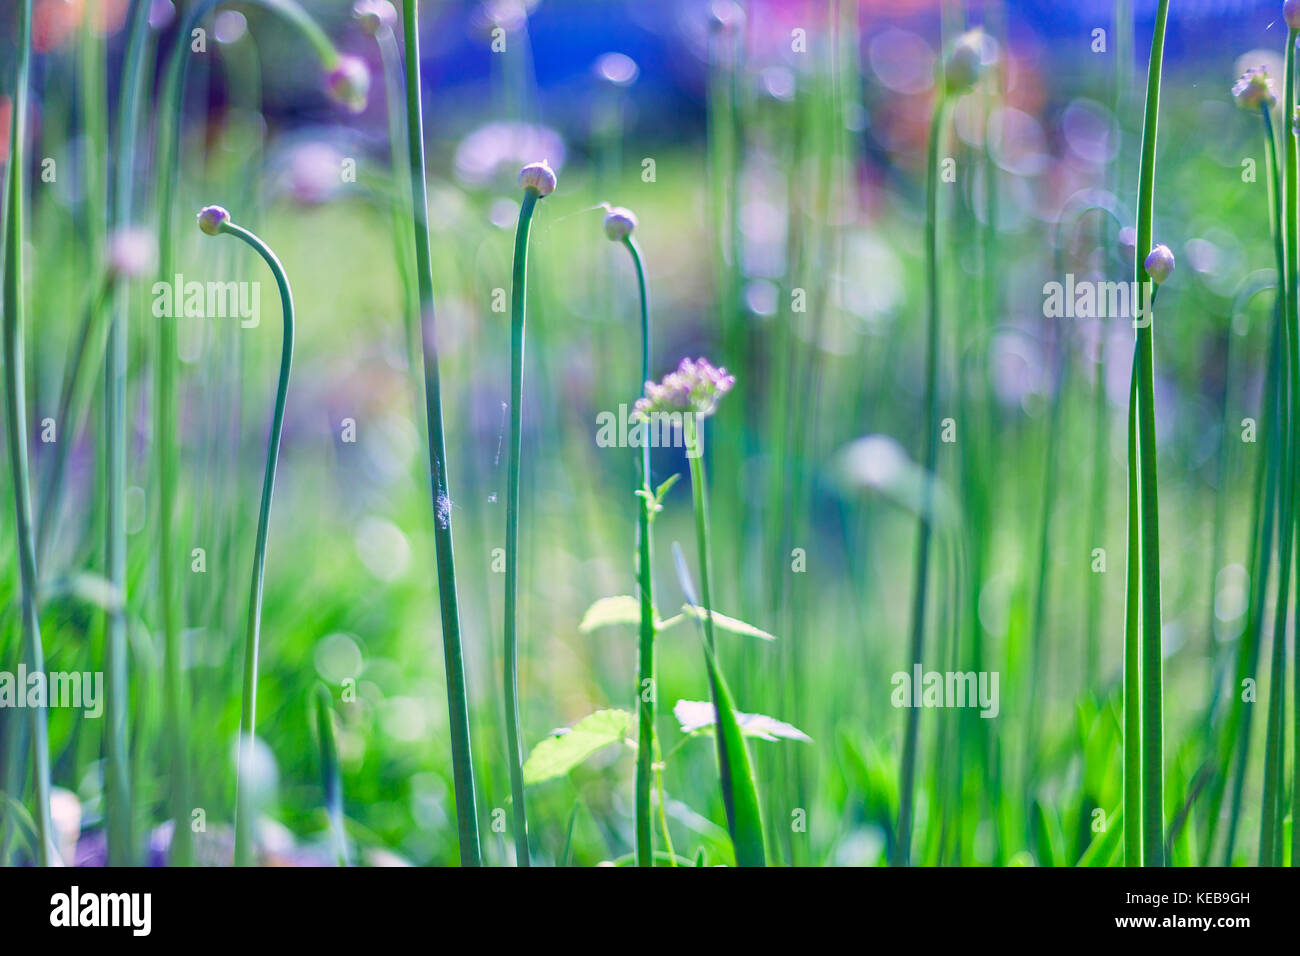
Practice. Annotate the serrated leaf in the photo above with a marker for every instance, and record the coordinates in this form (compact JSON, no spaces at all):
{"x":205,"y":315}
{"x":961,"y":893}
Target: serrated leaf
{"x":608,"y":611}
{"x":695,"y":716}
{"x":724,"y":623}
{"x":556,"y":756}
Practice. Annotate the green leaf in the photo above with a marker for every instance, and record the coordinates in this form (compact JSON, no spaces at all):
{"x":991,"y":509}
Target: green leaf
{"x":622,"y":609}
{"x":724,"y":623}
{"x":696,"y":716}
{"x":665,"y":488}
{"x":1102,"y":850}
{"x":739,"y":793}
{"x":556,"y":756}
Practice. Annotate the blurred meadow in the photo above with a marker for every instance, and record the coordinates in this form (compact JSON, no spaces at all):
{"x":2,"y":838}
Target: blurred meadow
{"x":774,"y":153}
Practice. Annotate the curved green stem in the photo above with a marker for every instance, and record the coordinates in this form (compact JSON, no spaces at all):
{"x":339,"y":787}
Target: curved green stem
{"x":16,"y":424}
{"x":252,"y":639}
{"x":647,"y":685}
{"x":457,"y":700}
{"x":517,"y":303}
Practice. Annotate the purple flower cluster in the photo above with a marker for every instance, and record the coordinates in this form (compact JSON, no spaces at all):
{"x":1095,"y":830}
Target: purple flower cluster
{"x":695,"y":386}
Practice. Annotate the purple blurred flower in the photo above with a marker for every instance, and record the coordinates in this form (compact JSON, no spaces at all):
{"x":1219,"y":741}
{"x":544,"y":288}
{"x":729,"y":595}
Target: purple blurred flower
{"x":1128,"y":238}
{"x":1254,"y":89}
{"x":132,"y":252}
{"x":695,"y":386}
{"x":312,"y":172}
{"x":617,"y":69}
{"x":349,"y":83}
{"x":493,"y":149}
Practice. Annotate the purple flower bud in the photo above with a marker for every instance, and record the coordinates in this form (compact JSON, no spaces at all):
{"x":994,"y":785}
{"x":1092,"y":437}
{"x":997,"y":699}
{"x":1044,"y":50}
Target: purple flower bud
{"x":132,"y":253}
{"x":212,"y":218}
{"x":1159,"y":264}
{"x":373,"y":15}
{"x":1254,"y":89}
{"x":349,"y":82}
{"x":1291,"y":13}
{"x":538,"y":177}
{"x":619,"y":223}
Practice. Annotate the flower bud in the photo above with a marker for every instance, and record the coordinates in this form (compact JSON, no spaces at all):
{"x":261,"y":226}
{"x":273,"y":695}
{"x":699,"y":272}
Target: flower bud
{"x":619,"y":223}
{"x":1159,"y":264}
{"x":1291,"y":13}
{"x":538,"y":177}
{"x":374,"y":15}
{"x":966,"y":62}
{"x":212,"y":218}
{"x":348,"y":83}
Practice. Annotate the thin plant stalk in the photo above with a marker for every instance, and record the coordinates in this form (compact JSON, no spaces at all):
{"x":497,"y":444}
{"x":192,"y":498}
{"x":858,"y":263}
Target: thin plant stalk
{"x":511,"y":664}
{"x":121,"y":841}
{"x":331,"y":778}
{"x":16,"y":425}
{"x":457,"y":699}
{"x":646,"y":681}
{"x":1240,"y":718}
{"x":69,"y":413}
{"x":1291,"y":207}
{"x":1148,"y":496}
{"x":1133,"y":835}
{"x":252,"y":637}
{"x":901,"y":851}
{"x":1270,"y":832}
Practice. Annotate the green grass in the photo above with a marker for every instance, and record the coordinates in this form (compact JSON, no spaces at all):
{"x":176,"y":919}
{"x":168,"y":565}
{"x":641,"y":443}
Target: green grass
{"x":806,"y":233}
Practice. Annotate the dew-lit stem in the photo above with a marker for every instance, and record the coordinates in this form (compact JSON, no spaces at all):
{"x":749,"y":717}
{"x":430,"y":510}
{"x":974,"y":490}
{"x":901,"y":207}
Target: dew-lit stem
{"x":457,"y":699}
